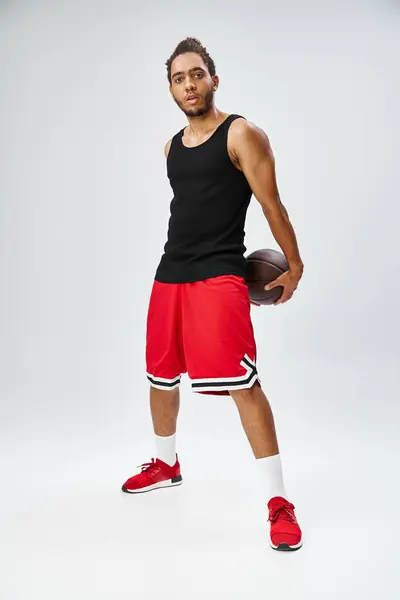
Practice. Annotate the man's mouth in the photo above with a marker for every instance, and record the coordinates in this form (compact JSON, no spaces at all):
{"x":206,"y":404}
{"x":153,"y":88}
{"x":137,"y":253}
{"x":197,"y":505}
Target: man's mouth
{"x":192,"y":99}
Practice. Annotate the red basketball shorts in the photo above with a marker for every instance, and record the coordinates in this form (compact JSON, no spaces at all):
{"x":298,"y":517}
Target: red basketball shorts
{"x":203,"y":329}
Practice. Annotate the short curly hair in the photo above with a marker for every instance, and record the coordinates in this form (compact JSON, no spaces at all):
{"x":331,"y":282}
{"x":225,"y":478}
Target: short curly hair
{"x":191,"y":45}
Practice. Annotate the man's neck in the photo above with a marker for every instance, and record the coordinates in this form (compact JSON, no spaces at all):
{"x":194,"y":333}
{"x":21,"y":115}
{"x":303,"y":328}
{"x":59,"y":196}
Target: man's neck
{"x":201,"y":126}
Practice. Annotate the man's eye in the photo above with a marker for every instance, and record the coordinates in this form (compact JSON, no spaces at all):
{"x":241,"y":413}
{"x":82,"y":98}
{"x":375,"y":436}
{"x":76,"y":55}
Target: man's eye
{"x":199,"y":74}
{"x":177,"y":80}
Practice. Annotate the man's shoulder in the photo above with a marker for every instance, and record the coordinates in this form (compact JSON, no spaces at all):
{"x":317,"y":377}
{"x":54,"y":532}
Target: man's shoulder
{"x":242,"y":127}
{"x":245,"y":134}
{"x":167,"y":147}
{"x":247,"y":139}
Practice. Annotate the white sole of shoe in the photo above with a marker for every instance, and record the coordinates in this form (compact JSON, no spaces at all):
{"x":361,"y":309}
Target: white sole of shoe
{"x":286,"y":547}
{"x":155,"y":486}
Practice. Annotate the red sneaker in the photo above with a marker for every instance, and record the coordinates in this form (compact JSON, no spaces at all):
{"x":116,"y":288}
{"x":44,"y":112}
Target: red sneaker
{"x":285,"y":531}
{"x":155,"y":474}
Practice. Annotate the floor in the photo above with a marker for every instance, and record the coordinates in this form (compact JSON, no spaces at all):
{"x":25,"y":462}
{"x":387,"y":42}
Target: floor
{"x":67,"y":531}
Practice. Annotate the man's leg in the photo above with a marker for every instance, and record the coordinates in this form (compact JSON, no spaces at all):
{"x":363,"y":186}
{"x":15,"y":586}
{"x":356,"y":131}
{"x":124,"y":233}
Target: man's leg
{"x":165,"y":470}
{"x":220,"y":352}
{"x":257,"y":420}
{"x":164,"y":366}
{"x":164,"y":407}
{"x":258,"y":423}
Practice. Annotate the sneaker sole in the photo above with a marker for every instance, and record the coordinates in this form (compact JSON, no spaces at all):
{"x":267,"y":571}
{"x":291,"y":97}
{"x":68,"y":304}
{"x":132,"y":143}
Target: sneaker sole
{"x":286,"y":547}
{"x":156,"y":486}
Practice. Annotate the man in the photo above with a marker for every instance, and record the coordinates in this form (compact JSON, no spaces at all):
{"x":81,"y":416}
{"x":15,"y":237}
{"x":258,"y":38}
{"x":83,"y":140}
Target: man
{"x":199,"y":313}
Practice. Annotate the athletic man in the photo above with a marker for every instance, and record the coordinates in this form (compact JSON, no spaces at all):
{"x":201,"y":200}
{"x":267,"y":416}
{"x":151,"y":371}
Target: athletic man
{"x":199,"y":312}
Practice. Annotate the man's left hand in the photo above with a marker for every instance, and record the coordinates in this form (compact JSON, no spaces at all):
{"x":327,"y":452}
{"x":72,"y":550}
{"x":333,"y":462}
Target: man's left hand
{"x":289,"y":281}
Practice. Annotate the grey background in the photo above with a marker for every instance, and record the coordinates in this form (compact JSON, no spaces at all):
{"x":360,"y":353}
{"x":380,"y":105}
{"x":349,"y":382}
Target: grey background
{"x":84,"y":199}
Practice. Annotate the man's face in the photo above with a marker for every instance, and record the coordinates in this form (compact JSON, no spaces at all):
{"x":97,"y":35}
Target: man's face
{"x":192,"y":87}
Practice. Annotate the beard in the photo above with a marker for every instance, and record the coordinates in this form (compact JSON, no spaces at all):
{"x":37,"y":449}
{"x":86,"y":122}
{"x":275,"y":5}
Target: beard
{"x":198,"y":111}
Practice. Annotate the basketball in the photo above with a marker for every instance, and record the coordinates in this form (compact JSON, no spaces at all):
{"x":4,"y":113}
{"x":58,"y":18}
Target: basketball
{"x":262,"y":267}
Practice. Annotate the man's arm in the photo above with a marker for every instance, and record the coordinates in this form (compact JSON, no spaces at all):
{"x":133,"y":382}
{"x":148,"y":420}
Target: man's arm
{"x":251,"y":149}
{"x":167,"y":147}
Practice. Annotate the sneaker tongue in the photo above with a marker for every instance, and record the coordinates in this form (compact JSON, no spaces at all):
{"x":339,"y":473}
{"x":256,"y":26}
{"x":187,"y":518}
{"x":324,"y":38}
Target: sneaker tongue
{"x":277,"y":501}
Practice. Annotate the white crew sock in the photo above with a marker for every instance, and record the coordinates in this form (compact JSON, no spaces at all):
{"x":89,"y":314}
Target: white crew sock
{"x":166,"y":448}
{"x":271,"y":476}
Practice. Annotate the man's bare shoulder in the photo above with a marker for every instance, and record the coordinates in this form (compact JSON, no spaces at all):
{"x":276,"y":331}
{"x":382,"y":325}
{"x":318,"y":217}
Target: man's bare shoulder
{"x":241,"y":129}
{"x":167,"y":147}
{"x":245,"y":136}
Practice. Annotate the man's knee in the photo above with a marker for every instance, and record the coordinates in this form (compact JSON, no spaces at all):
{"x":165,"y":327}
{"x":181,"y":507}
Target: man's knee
{"x":245,"y":393}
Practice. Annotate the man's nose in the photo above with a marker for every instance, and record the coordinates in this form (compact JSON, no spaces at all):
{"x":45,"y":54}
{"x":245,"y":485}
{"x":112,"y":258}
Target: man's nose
{"x":189,"y":84}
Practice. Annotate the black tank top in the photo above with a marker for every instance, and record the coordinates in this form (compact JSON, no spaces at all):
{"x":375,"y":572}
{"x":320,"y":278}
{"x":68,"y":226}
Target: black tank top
{"x":208,"y":211}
